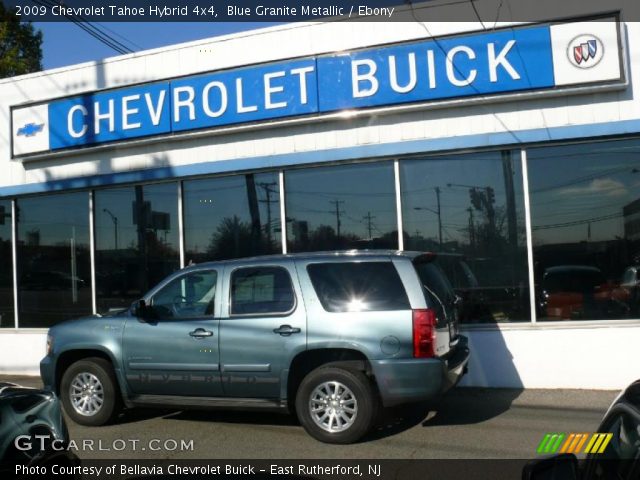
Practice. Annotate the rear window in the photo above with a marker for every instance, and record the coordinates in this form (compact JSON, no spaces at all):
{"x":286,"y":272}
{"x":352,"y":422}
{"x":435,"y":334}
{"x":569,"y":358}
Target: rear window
{"x":358,"y":286}
{"x":437,"y":288}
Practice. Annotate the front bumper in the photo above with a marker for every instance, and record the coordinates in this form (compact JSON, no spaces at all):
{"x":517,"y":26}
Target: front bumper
{"x":414,"y":380}
{"x":47,"y":373}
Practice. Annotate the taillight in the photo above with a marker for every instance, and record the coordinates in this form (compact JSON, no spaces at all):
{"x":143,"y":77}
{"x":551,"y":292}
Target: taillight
{"x":424,"y":333}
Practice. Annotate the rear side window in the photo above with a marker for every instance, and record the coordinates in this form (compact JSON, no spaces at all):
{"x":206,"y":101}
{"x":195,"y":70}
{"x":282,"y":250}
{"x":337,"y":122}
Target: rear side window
{"x":261,"y":290}
{"x":358,"y":286}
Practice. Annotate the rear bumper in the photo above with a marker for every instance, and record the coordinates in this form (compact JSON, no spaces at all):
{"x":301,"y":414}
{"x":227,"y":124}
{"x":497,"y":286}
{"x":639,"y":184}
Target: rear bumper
{"x":414,"y":380}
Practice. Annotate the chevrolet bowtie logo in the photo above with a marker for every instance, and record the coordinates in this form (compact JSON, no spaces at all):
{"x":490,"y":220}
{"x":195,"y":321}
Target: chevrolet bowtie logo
{"x":30,"y":129}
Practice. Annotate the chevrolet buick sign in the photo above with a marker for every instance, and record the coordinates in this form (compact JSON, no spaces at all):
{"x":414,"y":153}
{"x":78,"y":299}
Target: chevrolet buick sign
{"x":535,"y":59}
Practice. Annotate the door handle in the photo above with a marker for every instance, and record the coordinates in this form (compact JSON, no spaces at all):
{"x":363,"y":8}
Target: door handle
{"x":201,"y":333}
{"x":286,"y":330}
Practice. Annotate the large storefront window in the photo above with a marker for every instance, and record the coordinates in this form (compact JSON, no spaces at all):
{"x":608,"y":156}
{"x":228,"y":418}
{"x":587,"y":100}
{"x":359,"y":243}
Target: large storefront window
{"x":341,"y":207}
{"x":54,"y":263}
{"x":231,"y":217}
{"x":469,"y":209}
{"x":585,"y":216}
{"x":137,"y":241}
{"x":6,"y":267}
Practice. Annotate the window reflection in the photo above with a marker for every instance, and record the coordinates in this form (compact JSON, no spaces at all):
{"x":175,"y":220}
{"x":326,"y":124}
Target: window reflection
{"x":136,"y":241}
{"x":341,"y":207}
{"x":585,"y":216}
{"x":232,"y":217}
{"x":54,"y":270}
{"x":469,"y":209}
{"x":6,"y":267}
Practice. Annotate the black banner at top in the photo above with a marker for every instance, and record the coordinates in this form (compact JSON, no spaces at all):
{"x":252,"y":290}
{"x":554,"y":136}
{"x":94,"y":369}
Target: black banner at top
{"x":487,"y":12}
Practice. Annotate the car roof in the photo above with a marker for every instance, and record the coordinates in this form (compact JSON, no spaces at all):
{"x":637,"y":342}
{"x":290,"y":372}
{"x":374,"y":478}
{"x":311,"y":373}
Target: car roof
{"x":325,"y":255}
{"x":572,"y":268}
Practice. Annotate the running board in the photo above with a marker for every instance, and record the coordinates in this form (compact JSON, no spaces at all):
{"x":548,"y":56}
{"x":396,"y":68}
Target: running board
{"x":176,"y":401}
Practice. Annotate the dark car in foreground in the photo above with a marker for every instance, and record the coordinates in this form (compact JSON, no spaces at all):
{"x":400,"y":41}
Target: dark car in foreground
{"x":332,"y":336}
{"x":32,"y":429}
{"x":620,"y":458}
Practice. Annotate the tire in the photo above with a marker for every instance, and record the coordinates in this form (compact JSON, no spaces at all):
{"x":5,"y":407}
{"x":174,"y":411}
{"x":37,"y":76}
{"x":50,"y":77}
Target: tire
{"x":336,"y":423}
{"x":102,"y":404}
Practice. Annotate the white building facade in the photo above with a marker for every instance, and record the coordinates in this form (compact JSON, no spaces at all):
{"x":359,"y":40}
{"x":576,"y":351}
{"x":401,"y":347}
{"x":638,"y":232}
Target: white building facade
{"x":512,"y":152}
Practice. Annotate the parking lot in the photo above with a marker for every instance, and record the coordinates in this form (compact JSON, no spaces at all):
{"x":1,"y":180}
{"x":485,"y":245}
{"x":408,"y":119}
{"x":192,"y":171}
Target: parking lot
{"x":466,"y":423}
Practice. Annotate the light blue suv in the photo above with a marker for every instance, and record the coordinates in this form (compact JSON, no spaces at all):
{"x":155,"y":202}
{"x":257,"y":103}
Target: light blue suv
{"x":332,"y":336}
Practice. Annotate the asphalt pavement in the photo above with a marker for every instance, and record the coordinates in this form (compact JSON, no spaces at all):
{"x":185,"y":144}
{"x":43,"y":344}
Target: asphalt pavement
{"x":467,"y":423}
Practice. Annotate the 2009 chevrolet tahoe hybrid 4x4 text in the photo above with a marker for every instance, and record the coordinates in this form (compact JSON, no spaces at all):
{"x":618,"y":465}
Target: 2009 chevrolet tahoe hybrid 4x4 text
{"x":333,"y":336}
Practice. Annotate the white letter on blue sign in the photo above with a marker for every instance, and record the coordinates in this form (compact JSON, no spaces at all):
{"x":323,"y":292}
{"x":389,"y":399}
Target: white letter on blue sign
{"x":393,"y":74}
{"x":223,"y":99}
{"x":187,"y":102}
{"x":126,"y":111}
{"x":239,"y":103}
{"x":268,"y":90}
{"x":302,"y":73}
{"x":501,"y":59}
{"x":83,"y":130}
{"x":155,"y":113}
{"x":450,"y":66}
{"x":98,"y":117}
{"x":431,"y":64}
{"x":357,"y":77}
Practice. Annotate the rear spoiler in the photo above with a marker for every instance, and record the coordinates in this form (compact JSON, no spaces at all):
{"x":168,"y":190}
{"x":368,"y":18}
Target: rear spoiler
{"x":426,"y":257}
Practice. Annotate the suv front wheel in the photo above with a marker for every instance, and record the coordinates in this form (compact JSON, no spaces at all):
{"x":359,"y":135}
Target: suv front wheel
{"x":336,"y":405}
{"x":89,"y":392}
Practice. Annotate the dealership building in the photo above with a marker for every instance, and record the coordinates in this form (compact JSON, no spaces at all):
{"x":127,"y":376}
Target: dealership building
{"x":513,"y":152}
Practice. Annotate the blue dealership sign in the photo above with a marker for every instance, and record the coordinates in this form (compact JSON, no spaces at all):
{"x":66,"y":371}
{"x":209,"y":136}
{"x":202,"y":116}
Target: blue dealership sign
{"x":534,"y":58}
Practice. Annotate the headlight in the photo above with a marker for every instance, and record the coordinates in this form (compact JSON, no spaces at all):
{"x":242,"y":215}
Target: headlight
{"x":49,"y":344}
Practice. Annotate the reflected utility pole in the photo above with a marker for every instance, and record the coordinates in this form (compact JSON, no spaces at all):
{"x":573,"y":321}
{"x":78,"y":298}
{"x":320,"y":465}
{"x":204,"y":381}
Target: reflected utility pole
{"x":338,"y":213}
{"x":114,"y":219}
{"x":269,"y":189}
{"x":369,"y":218}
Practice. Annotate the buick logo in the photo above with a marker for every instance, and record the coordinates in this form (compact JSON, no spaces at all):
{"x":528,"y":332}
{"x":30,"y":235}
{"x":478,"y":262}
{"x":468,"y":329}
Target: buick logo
{"x":585,"y":51}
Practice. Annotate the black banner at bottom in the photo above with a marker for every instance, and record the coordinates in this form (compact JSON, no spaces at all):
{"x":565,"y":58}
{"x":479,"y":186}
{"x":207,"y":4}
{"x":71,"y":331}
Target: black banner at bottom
{"x":71,"y":467}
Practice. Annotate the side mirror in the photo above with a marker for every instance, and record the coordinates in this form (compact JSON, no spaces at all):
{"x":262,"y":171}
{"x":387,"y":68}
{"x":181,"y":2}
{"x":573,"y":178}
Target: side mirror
{"x":140,"y":309}
{"x":558,"y":467}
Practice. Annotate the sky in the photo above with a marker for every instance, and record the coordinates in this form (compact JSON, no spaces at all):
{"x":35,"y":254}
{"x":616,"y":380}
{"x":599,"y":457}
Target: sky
{"x":65,"y":43}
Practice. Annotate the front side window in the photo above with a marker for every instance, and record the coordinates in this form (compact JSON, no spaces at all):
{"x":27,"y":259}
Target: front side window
{"x":261,"y":290}
{"x":358,"y":286}
{"x":188,"y":296}
{"x":585,"y":221}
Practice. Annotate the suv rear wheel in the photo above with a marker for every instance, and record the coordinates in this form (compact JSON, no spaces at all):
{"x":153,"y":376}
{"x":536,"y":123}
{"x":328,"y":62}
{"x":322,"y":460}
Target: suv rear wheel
{"x":89,"y":392}
{"x":336,"y":405}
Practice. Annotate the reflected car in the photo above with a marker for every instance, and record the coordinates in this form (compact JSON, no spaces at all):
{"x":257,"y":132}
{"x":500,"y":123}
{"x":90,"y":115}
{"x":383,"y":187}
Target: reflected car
{"x":579,"y":292}
{"x":32,"y":428}
{"x":474,"y":306}
{"x":620,"y":459}
{"x":50,"y":280}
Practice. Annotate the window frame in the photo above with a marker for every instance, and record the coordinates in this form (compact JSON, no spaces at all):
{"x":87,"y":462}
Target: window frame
{"x":258,"y":315}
